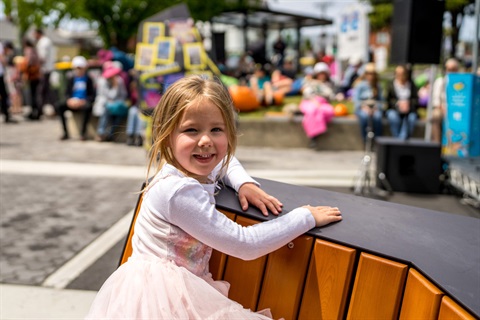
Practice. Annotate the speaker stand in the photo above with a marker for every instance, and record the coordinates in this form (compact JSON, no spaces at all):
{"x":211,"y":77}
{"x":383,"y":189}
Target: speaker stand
{"x":362,"y":183}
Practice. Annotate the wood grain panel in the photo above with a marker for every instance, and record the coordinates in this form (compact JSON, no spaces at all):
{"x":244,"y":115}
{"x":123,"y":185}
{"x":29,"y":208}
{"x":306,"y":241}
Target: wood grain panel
{"x":245,"y":277}
{"x":378,"y":288}
{"x":328,"y":281}
{"x":421,"y":299}
{"x":449,"y":310}
{"x":285,"y":277}
{"x":218,"y":259}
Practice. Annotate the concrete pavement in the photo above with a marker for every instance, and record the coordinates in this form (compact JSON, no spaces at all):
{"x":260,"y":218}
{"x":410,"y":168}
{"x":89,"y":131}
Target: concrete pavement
{"x":65,"y":206}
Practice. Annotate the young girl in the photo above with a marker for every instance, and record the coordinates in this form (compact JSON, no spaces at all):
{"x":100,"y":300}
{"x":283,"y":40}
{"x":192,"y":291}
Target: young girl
{"x":167,"y":275}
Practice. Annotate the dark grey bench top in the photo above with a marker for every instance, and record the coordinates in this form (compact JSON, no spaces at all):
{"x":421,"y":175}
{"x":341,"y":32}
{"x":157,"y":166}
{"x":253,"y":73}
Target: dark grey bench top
{"x":444,"y":247}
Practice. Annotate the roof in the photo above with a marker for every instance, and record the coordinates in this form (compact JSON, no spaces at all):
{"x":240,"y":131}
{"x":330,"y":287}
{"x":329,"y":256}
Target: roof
{"x":272,"y":19}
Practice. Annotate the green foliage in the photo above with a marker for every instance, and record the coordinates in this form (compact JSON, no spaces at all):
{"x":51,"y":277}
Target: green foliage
{"x":117,"y":21}
{"x":381,"y":16}
{"x":382,"y":13}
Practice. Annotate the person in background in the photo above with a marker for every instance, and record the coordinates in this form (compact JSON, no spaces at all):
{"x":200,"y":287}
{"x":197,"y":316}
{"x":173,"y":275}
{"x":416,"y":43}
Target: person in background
{"x":115,"y":95}
{"x":315,"y":105}
{"x":31,"y":75}
{"x":46,"y":53}
{"x":353,"y":71}
{"x":402,"y":102}
{"x":439,"y":100}
{"x":283,"y":78}
{"x":368,"y":102}
{"x":135,"y":124}
{"x":245,"y":68}
{"x":3,"y":90}
{"x":261,"y":84}
{"x":79,"y":95}
{"x":13,"y":79}
{"x":319,"y":84}
{"x":279,"y":49}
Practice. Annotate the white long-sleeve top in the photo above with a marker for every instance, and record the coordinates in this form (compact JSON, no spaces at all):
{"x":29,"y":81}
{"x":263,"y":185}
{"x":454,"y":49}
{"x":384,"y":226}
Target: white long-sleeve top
{"x":178,"y":221}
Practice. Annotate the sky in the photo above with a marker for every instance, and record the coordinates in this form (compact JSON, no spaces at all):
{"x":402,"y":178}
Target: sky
{"x":323,"y":8}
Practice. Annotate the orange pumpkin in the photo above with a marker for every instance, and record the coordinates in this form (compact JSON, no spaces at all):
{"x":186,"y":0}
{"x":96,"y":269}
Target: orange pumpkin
{"x":278,"y":97}
{"x":243,"y":98}
{"x":340,"y":110}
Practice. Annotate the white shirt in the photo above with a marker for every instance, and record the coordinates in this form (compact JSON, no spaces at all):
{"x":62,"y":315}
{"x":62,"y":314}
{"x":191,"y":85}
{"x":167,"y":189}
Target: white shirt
{"x":46,"y":52}
{"x":184,"y":203}
{"x":438,"y":92}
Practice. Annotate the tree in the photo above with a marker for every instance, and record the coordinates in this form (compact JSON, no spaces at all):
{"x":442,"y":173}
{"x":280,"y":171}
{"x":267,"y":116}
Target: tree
{"x":116,"y":20}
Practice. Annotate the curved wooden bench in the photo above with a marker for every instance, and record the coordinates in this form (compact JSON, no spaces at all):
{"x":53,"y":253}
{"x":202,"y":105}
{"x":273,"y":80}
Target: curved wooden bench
{"x":383,"y":261}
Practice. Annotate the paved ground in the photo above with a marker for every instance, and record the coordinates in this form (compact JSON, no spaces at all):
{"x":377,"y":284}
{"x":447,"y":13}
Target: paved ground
{"x":65,"y":209}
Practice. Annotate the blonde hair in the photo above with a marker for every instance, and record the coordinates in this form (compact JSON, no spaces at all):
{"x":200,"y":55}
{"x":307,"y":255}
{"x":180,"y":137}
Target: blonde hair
{"x":184,"y":93}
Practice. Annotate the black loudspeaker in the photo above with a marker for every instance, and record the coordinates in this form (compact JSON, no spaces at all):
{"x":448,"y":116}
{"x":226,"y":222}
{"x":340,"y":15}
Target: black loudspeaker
{"x":412,"y":165}
{"x":417,"y":31}
{"x":218,"y":47}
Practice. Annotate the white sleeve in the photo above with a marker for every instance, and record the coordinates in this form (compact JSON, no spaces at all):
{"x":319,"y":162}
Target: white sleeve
{"x":42,"y":50}
{"x":236,"y":175}
{"x":189,"y":207}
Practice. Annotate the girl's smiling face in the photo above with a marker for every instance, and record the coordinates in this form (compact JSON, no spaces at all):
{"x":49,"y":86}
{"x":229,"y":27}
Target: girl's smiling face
{"x":199,"y":142}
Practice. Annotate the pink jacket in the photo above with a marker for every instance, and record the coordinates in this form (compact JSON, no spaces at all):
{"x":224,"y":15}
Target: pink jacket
{"x":317,"y":112}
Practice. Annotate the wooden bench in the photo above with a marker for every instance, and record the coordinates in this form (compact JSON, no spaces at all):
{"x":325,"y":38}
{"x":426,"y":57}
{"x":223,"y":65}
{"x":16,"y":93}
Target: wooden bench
{"x":383,"y":261}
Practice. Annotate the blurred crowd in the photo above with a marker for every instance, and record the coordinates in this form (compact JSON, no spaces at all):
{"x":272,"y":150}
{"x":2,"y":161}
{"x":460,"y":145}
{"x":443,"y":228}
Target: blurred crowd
{"x":104,"y":92}
{"x":103,"y":89}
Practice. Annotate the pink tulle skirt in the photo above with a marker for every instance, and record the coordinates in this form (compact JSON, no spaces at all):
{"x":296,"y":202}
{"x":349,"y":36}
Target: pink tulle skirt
{"x":154,"y":288}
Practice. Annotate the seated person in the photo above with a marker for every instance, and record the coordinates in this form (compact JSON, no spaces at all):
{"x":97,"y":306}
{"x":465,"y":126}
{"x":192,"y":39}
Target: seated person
{"x":319,"y":83}
{"x":283,"y":78}
{"x":261,"y":84}
{"x":317,"y":90}
{"x":402,"y":101}
{"x":80,"y":95}
{"x":368,"y":102}
{"x":353,"y":71}
{"x":114,"y":94}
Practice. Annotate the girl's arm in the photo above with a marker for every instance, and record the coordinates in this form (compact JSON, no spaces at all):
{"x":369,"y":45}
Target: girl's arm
{"x":188,"y":205}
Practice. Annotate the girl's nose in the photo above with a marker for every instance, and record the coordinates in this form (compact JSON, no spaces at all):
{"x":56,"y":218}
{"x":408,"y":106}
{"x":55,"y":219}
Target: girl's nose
{"x":205,"y":141}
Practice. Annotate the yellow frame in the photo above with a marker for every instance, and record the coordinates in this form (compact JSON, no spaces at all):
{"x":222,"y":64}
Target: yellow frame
{"x":147,"y":28}
{"x":187,"y":58}
{"x":140,"y":51}
{"x":207,"y":73}
{"x":171,"y":50}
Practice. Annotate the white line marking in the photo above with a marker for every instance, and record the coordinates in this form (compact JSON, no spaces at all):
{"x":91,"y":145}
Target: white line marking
{"x":70,"y":169}
{"x":85,"y":258}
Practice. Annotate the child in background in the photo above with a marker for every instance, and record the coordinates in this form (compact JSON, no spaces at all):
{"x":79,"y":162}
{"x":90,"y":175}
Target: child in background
{"x":167,"y":275}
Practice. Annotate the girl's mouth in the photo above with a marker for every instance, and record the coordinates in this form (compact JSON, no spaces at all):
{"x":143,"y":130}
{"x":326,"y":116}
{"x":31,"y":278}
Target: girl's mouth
{"x":203,"y":157}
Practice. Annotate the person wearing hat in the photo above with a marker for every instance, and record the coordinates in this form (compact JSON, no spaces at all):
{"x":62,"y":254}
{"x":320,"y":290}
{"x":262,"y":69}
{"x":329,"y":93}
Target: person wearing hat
{"x":317,"y":91}
{"x":80,"y":95}
{"x":114,"y":94}
{"x":368,"y":101}
{"x":319,"y":83}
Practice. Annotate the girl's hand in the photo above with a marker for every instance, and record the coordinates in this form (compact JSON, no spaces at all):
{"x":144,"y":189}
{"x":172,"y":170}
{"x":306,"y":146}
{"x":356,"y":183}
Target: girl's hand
{"x":250,"y":193}
{"x":324,"y":215}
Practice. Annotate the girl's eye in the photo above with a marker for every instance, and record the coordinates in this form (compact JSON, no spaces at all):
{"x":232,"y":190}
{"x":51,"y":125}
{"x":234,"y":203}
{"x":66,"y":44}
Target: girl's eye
{"x":190,"y":130}
{"x":217,"y":130}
